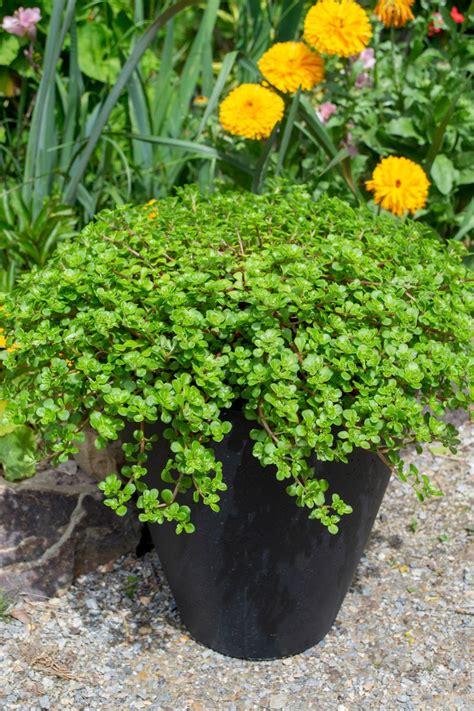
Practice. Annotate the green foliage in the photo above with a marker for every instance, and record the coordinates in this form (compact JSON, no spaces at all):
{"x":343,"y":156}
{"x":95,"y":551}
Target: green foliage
{"x":416,"y":102}
{"x":336,"y":329}
{"x":27,"y":240}
{"x":17,"y":452}
{"x":421,"y":106}
{"x":103,"y":109}
{"x":70,"y":111}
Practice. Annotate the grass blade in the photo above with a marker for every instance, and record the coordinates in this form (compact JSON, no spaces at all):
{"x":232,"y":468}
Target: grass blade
{"x":140,"y":116}
{"x":318,"y":134}
{"x":42,"y":134}
{"x":288,"y":130}
{"x":262,"y":164}
{"x":75,"y":89}
{"x":199,"y":148}
{"x":226,"y":68}
{"x":163,"y":87}
{"x":316,"y":128}
{"x":289,"y":20}
{"x":339,"y":158}
{"x":468,"y":222}
{"x":438,"y":136}
{"x":195,"y":65}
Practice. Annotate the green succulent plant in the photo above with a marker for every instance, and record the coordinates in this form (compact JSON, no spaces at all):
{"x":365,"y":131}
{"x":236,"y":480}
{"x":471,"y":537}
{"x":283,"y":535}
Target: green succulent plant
{"x":335,"y":329}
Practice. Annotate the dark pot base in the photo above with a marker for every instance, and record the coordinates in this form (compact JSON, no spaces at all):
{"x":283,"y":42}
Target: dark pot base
{"x":259,"y":580}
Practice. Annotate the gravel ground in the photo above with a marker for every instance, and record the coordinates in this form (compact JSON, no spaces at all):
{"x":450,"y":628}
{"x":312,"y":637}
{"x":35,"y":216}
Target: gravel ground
{"x":114,"y":641}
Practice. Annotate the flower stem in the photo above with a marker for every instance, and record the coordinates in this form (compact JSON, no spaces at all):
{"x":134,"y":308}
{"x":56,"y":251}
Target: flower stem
{"x":393,"y":55}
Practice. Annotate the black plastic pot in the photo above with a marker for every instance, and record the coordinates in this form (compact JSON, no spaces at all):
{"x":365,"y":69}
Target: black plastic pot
{"x":259,"y":580}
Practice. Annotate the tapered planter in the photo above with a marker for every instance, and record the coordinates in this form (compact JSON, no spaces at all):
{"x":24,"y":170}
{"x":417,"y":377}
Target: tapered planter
{"x":259,"y":580}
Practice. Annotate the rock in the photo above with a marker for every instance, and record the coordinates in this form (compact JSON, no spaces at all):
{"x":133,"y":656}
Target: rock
{"x":98,"y":463}
{"x":278,"y":701}
{"x":55,"y":527}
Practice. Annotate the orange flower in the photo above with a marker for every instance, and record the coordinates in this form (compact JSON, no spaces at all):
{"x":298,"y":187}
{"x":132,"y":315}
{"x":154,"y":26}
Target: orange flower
{"x":340,"y":27}
{"x":291,"y":65}
{"x":394,"y":13}
{"x":251,"y":111}
{"x":399,"y":185}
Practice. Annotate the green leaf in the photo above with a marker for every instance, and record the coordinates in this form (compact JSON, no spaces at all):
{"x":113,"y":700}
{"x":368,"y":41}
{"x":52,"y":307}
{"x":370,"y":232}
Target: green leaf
{"x":440,"y":131}
{"x":97,"y":54}
{"x":167,"y":496}
{"x":17,"y":453}
{"x":9,"y":47}
{"x":443,"y":173}
{"x":403,"y":127}
{"x":467,"y":221}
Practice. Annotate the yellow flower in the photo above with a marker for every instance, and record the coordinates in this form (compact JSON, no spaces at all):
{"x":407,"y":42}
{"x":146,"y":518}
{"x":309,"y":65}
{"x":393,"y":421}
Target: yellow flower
{"x":153,"y":214}
{"x":340,"y":27}
{"x":69,"y":362}
{"x":3,"y":343}
{"x":290,"y":65}
{"x":399,"y":185}
{"x":394,"y":13}
{"x":251,"y":111}
{"x":150,"y":202}
{"x":200,"y":100}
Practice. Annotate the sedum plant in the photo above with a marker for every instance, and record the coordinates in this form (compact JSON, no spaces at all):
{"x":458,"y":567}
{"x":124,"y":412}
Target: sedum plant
{"x":332,"y":329}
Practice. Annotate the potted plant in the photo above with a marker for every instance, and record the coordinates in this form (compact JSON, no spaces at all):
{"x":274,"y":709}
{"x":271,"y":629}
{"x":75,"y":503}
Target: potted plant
{"x":264,"y":359}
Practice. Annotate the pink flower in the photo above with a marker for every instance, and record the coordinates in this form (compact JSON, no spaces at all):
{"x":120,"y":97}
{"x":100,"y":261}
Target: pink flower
{"x":436,"y":25}
{"x":367,"y":57}
{"x":23,"y":22}
{"x":368,"y":61}
{"x":456,"y":15}
{"x":325,"y":111}
{"x":364,"y":79}
{"x":349,"y":144}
